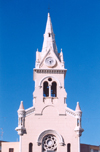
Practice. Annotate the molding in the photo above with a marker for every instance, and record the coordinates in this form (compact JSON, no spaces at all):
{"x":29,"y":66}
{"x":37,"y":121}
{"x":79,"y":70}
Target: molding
{"x":40,"y":83}
{"x":53,"y":132}
{"x":44,"y":56}
{"x":54,"y":71}
{"x":49,"y":106}
{"x":29,"y":111}
{"x":70,"y":112}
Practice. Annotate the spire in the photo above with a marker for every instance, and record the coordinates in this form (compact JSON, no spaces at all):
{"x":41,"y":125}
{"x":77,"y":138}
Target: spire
{"x":78,"y":107}
{"x":49,"y":37}
{"x":49,"y":25}
{"x":21,"y":106}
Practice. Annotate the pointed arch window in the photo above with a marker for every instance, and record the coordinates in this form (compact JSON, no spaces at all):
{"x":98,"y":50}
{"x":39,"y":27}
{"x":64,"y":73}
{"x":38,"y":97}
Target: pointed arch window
{"x":45,"y":89}
{"x":30,"y":147}
{"x":54,"y":89}
{"x":68,"y":147}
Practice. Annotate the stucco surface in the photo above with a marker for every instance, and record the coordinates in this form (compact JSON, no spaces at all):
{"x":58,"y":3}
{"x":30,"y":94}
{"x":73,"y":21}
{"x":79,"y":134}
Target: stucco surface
{"x":7,"y":145}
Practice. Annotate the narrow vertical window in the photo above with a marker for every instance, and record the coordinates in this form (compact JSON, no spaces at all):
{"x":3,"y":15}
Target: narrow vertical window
{"x":45,"y":89}
{"x":68,"y":147}
{"x":54,"y":89}
{"x":49,"y":34}
{"x":30,"y":147}
{"x":78,"y":122}
{"x":21,"y":120}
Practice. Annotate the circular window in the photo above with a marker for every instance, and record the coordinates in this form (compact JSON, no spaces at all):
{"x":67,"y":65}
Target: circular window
{"x":49,"y":143}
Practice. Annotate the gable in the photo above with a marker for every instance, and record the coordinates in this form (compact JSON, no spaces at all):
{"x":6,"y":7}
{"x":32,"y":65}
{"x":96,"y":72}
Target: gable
{"x":50,"y":53}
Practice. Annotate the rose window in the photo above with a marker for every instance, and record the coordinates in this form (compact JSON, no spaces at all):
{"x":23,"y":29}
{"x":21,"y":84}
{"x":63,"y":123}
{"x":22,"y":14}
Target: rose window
{"x":49,"y":143}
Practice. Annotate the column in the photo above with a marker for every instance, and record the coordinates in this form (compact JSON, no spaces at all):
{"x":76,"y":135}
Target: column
{"x":49,"y":90}
{"x":78,"y":143}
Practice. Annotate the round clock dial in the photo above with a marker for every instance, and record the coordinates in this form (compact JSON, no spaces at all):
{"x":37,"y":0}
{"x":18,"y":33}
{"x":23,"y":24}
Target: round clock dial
{"x":50,"y":62}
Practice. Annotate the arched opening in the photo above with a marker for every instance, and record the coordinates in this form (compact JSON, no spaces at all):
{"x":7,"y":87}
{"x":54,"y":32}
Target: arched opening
{"x":68,"y":147}
{"x":30,"y":147}
{"x":49,"y":143}
{"x":50,"y":132}
{"x":45,"y":89}
{"x":54,"y":89}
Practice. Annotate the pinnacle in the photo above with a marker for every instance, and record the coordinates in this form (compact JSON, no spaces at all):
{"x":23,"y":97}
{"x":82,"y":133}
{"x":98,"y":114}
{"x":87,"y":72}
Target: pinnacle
{"x":78,"y":107}
{"x":21,"y":106}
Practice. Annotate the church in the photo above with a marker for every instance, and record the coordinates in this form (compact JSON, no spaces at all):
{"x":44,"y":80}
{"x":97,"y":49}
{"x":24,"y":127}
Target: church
{"x":49,"y":125}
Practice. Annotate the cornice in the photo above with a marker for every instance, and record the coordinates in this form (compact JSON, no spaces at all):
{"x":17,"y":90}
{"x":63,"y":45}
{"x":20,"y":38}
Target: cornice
{"x":70,"y":112}
{"x":55,"y":71}
{"x":29,"y":111}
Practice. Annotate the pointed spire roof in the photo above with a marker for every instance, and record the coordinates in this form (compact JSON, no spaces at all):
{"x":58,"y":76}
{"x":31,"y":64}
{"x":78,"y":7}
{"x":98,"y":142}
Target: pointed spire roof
{"x":49,"y":37}
{"x":49,"y":28}
{"x":21,"y":106}
{"x":78,"y":107}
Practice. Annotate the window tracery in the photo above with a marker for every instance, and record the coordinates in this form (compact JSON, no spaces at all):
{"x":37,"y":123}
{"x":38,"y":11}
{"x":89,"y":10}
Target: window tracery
{"x":49,"y":143}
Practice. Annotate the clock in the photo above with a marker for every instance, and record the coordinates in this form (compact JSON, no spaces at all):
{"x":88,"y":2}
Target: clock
{"x":50,"y":62}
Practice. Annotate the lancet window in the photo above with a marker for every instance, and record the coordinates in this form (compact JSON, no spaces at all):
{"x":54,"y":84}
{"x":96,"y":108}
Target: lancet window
{"x":30,"y":147}
{"x":45,"y":89}
{"x":54,"y":89}
{"x":68,"y":147}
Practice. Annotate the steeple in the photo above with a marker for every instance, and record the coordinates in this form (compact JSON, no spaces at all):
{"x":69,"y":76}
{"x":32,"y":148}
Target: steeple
{"x":49,"y":38}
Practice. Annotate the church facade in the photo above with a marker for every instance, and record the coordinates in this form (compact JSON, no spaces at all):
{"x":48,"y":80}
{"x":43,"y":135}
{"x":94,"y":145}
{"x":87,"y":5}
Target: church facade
{"x":49,"y":125}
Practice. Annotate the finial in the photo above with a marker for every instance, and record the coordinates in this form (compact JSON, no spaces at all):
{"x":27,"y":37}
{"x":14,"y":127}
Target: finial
{"x":61,"y":49}
{"x":37,"y":50}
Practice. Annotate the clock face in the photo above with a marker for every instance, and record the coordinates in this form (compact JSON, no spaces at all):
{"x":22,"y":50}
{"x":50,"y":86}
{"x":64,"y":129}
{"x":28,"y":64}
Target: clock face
{"x":50,"y":62}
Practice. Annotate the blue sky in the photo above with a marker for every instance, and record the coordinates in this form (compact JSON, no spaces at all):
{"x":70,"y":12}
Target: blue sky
{"x":76,"y":25}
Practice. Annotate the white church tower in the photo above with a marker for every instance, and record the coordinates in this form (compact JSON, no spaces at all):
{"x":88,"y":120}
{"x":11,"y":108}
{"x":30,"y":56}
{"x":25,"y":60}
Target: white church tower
{"x":49,"y":125}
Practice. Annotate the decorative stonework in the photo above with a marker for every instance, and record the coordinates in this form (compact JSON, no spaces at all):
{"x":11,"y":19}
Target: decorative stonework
{"x":50,"y":132}
{"x":49,"y":143}
{"x":40,"y":83}
{"x":29,"y":111}
{"x":55,"y":71}
{"x":70,"y":112}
